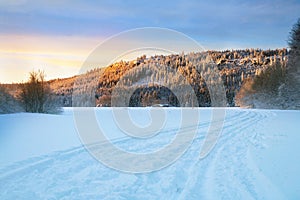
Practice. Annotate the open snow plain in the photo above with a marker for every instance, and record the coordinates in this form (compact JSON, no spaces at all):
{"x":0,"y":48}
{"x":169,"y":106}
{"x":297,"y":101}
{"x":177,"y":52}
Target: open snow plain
{"x":257,"y":156}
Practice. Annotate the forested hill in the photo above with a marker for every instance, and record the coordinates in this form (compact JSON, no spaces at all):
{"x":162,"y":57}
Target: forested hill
{"x":234,"y":66}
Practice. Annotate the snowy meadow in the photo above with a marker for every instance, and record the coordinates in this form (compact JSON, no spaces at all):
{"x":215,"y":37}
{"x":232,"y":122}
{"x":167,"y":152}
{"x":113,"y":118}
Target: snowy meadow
{"x":256,"y":156}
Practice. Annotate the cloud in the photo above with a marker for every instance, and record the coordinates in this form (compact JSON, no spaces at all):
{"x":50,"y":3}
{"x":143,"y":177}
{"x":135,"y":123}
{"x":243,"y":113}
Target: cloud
{"x":46,"y":31}
{"x":108,"y":17}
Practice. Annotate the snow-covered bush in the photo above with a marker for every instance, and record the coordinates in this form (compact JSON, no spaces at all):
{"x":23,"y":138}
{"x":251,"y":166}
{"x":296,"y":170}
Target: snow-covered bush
{"x":265,"y":89}
{"x":8,"y":104}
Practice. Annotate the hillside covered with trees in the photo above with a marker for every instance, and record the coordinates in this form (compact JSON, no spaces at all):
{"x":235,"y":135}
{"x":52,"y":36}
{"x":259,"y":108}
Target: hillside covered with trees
{"x":278,"y":86}
{"x":234,"y":67}
{"x":153,"y":86}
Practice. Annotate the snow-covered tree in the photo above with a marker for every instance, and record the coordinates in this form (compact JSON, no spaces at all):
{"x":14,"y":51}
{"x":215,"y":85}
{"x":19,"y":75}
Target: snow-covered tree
{"x":294,"y":43}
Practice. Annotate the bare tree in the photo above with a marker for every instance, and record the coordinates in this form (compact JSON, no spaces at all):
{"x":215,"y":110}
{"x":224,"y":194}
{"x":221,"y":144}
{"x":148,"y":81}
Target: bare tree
{"x":36,"y":96}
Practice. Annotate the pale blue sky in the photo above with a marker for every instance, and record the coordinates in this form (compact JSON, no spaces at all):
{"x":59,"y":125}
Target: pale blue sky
{"x":75,"y":26}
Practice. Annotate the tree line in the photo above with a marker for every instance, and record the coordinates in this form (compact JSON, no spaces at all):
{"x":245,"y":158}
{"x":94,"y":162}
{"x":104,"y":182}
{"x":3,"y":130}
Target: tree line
{"x":249,"y":77}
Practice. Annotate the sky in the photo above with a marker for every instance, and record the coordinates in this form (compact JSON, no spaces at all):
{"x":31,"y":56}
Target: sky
{"x":57,"y":36}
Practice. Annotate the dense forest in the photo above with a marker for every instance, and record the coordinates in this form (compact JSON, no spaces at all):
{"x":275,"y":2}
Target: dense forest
{"x":156,"y":79}
{"x":233,"y":67}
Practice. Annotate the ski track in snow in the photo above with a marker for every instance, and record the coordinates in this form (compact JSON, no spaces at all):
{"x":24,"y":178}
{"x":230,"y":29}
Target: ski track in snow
{"x":228,"y":172}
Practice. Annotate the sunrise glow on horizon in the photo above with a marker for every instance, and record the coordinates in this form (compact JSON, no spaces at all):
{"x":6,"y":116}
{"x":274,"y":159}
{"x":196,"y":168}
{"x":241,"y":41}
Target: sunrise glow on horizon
{"x":57,"y":37}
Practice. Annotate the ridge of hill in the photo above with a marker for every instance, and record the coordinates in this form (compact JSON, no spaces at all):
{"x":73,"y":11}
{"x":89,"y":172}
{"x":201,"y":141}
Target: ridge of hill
{"x":95,"y":87}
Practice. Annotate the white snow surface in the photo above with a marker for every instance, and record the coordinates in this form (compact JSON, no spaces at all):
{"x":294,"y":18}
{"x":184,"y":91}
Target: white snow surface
{"x":256,"y":157}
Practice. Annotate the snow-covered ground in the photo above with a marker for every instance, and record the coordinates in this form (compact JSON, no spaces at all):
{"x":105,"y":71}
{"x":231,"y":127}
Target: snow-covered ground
{"x":256,"y":157}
